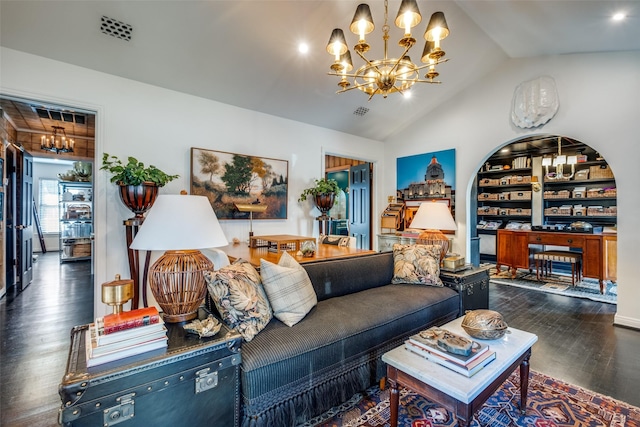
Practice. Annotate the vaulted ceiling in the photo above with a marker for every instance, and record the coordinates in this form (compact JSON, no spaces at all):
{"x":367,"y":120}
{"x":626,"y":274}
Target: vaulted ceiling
{"x":244,"y":53}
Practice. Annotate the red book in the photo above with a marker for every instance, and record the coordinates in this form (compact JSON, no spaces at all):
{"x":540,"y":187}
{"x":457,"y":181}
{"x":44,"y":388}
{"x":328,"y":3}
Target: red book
{"x":130,"y":319}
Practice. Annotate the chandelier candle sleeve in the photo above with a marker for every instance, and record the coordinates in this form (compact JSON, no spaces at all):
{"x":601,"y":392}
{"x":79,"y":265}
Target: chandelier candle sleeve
{"x":387,"y":75}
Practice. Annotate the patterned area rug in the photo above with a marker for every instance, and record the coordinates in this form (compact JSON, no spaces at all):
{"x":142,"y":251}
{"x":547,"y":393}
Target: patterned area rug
{"x":558,"y":284}
{"x":550,"y":403}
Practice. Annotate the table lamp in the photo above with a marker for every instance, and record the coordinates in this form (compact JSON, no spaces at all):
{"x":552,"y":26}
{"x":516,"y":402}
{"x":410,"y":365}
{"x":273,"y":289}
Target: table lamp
{"x":433,"y":217}
{"x":179,"y":224}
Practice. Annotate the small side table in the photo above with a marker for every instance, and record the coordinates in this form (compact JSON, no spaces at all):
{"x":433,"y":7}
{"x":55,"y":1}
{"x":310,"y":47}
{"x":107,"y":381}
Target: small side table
{"x":472,"y":284}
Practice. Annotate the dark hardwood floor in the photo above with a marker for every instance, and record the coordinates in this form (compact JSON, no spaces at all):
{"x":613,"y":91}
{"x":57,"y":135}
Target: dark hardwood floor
{"x":577,"y":341}
{"x":36,"y":325}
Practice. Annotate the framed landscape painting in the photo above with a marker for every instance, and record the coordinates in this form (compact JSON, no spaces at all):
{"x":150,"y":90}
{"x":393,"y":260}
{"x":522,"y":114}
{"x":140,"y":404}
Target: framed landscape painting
{"x":229,"y":179}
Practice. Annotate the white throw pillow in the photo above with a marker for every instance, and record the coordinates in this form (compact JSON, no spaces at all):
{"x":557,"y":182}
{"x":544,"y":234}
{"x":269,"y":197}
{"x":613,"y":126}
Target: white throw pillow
{"x":288,"y":288}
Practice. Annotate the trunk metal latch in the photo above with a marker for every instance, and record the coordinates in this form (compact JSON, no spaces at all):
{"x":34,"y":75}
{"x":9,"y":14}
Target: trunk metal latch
{"x":123,"y":412}
{"x":206,"y":380}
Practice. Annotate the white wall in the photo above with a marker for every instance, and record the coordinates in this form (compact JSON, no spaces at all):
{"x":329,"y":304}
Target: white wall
{"x":159,"y":126}
{"x":599,"y":105}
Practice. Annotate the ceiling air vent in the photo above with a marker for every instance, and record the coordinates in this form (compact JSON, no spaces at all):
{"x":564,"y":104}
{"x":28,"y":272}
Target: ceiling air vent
{"x":61,"y":116}
{"x":113,"y":27}
{"x":361,"y":111}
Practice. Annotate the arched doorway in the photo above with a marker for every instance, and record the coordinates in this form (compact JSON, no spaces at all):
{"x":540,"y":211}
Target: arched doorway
{"x":547,"y":184}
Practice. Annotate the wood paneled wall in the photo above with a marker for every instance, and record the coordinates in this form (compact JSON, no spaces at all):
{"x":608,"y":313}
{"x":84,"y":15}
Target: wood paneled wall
{"x":83,"y":148}
{"x":334,"y":163}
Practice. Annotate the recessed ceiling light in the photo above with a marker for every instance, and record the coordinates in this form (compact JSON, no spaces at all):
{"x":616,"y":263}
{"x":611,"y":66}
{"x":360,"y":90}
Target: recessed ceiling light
{"x":303,"y":48}
{"x":505,"y":150}
{"x":619,"y":16}
{"x":407,"y":94}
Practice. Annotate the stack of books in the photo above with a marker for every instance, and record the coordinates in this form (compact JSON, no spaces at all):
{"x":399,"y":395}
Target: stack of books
{"x":125,"y":334}
{"x":468,"y":365}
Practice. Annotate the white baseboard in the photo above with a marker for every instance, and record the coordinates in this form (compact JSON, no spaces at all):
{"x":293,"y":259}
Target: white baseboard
{"x":629,"y":322}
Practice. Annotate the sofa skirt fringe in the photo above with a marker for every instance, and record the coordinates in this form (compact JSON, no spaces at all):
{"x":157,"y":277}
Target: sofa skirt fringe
{"x":316,"y":399}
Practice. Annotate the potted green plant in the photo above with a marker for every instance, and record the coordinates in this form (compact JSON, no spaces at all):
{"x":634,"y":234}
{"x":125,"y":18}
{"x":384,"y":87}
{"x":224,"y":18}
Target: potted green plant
{"x":323,"y":192}
{"x":138,"y":183}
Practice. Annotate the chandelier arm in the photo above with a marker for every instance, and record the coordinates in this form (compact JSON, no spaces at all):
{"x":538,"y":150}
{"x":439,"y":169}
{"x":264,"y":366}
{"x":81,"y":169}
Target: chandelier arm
{"x":395,"y":65}
{"x":341,"y":75}
{"x":435,"y":82}
{"x":369,"y":63}
{"x":438,"y":62}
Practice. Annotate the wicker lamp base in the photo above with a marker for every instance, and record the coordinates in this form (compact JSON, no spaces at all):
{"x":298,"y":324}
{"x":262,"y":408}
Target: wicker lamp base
{"x":435,"y":237}
{"x":178,"y":285}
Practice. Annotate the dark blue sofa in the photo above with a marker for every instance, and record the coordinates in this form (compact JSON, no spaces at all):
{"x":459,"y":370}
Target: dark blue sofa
{"x":292,"y":374}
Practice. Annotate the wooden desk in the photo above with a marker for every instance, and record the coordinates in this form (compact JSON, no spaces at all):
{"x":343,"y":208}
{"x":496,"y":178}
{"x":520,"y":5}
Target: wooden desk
{"x":598,"y":251}
{"x":253,"y":255}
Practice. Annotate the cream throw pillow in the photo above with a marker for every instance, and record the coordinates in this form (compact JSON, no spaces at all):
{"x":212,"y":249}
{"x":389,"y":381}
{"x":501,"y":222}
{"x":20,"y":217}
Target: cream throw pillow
{"x":288,"y":288}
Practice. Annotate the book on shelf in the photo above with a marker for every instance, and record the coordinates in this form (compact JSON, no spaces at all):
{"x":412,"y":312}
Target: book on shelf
{"x":469,"y":370}
{"x":98,"y":348}
{"x":132,"y":350}
{"x":427,"y":341}
{"x":130,"y":319}
{"x":125,"y":334}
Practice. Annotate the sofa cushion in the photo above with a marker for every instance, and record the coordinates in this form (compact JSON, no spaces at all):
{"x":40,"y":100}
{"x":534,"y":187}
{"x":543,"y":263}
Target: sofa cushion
{"x":338,"y":333}
{"x":417,"y":264}
{"x":336,"y":277}
{"x":237,"y":293}
{"x":288,"y":288}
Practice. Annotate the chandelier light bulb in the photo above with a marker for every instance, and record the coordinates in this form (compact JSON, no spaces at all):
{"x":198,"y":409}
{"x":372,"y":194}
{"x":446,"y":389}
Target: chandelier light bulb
{"x":407,"y":24}
{"x":362,"y":25}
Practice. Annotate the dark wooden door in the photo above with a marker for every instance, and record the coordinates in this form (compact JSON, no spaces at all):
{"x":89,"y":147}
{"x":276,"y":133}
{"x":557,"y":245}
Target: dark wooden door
{"x":360,"y":204}
{"x":25,"y":214}
{"x":12,"y":220}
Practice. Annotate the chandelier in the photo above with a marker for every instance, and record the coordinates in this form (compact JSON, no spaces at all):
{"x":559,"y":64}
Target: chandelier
{"x":558,"y":161}
{"x":388,"y":75}
{"x":57,"y":141}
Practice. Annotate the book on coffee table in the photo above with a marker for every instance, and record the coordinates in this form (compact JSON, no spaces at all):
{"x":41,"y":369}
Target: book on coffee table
{"x":430,"y":340}
{"x":468,"y":370}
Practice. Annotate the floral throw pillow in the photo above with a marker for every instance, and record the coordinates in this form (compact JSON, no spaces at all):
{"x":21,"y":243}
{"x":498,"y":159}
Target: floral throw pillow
{"x":239,"y":297}
{"x":416,"y":264}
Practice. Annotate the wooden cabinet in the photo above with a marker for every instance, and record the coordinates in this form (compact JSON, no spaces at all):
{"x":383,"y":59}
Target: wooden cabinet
{"x":611,"y":257}
{"x":512,"y":250}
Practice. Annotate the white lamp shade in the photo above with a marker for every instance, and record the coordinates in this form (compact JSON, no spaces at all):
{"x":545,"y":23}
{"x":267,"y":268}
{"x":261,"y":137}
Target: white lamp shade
{"x":546,"y":161}
{"x":572,"y":160}
{"x":433,"y":216}
{"x":179,"y":222}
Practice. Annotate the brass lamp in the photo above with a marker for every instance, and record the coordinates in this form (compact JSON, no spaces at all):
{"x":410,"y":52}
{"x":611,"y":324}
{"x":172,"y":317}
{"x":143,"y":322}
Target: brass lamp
{"x":251,"y":208}
{"x":179,"y":225}
{"x":433,"y":217}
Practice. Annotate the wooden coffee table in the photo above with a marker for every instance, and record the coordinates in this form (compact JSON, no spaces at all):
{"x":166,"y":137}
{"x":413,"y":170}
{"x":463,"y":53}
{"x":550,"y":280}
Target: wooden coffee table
{"x":461,"y":395}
